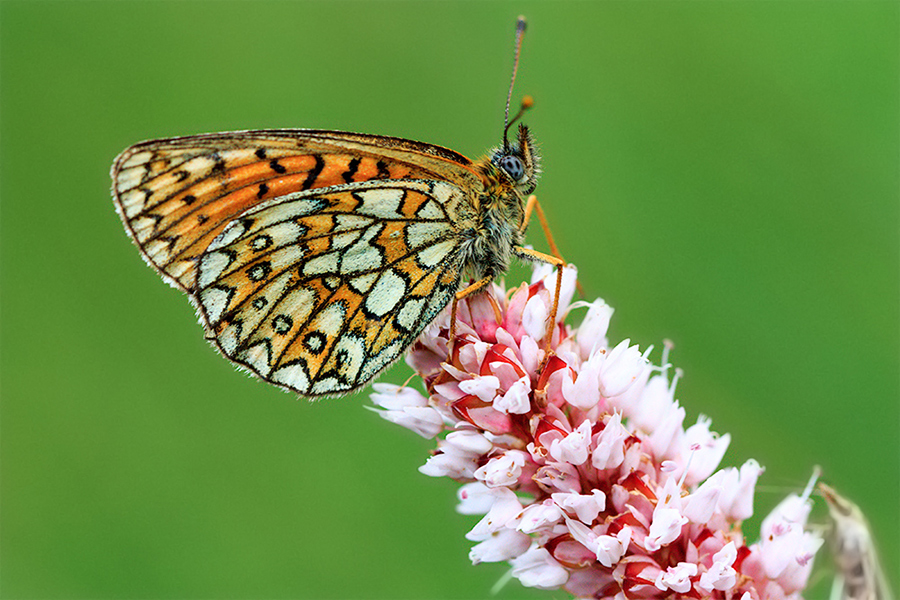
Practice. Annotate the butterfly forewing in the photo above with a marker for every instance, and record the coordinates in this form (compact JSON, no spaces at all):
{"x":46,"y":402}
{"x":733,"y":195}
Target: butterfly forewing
{"x":319,"y":291}
{"x":175,"y":196}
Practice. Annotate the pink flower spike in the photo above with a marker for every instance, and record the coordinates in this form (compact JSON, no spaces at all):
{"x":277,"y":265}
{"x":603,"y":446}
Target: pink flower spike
{"x":581,"y":465}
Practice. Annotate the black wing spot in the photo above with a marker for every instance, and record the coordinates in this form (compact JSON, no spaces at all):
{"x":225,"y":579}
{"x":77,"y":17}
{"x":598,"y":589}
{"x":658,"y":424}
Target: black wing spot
{"x":201,"y":219}
{"x":314,"y":342}
{"x":383,"y":171}
{"x":181,"y":175}
{"x":282,"y":324}
{"x":275,"y":166}
{"x":260,"y":153}
{"x":314,"y":173}
{"x":352,"y":167}
{"x":263,"y":190}
{"x":260,"y":271}
{"x":261,"y":242}
{"x":260,"y":303}
{"x":189,"y":199}
{"x":219,"y":167}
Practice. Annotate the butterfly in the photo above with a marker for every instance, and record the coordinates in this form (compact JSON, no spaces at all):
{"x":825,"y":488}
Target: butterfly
{"x":314,"y":257}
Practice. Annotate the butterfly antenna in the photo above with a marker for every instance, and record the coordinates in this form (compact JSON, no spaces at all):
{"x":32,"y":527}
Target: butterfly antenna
{"x":520,"y":31}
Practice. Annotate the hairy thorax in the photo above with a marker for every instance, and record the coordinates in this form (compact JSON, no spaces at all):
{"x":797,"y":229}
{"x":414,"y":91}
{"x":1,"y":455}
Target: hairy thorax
{"x":499,"y":211}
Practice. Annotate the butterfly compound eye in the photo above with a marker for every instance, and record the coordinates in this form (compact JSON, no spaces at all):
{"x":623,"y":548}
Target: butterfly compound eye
{"x":513,"y":166}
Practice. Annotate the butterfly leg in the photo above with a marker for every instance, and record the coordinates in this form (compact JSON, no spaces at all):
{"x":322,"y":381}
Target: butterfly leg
{"x":533,"y":206}
{"x":468,"y":291}
{"x":559,"y":263}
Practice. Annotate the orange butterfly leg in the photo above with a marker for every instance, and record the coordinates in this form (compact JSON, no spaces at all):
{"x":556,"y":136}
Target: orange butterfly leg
{"x":559,"y":264}
{"x":532,"y":205}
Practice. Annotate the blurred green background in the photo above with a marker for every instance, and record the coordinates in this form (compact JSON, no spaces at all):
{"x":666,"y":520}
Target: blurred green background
{"x":724,"y":174}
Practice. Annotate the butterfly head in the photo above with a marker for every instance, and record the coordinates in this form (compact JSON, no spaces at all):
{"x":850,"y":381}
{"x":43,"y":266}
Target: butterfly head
{"x":519,"y":161}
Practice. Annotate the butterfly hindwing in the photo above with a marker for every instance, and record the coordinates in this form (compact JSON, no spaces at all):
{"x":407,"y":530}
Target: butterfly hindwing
{"x":176,"y":195}
{"x":318,"y":291}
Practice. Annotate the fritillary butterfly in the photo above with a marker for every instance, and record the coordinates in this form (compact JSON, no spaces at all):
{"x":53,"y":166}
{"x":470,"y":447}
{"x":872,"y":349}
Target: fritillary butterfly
{"x":315,"y":258}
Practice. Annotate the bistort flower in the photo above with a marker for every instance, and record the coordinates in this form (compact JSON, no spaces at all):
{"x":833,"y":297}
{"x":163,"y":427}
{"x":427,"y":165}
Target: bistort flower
{"x":580,"y":462}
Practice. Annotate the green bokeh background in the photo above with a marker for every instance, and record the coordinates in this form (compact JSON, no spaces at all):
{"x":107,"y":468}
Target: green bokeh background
{"x":725,"y":174}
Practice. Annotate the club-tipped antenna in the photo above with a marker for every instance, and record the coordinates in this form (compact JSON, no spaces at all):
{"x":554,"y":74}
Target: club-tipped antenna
{"x":520,"y":31}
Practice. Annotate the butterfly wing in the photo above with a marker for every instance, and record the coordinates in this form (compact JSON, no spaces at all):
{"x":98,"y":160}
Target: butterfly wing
{"x":176,"y":195}
{"x":319,"y":291}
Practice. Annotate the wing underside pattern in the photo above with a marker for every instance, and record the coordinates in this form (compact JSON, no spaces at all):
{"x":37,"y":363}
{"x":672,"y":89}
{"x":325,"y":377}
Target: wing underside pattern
{"x":319,"y":291}
{"x":175,"y":196}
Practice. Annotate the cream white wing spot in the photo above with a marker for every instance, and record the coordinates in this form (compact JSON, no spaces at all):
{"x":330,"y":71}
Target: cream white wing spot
{"x":229,"y":235}
{"x":143,"y":228}
{"x":199,"y":165}
{"x":211,"y":266}
{"x":431,"y":210}
{"x":386,"y":294}
{"x":258,"y":357}
{"x":409,"y":313}
{"x":342,"y":240}
{"x":348,"y":356}
{"x":330,"y":320}
{"x":159,"y":250}
{"x":138,"y":158}
{"x":298,"y":303}
{"x":294,"y":376}
{"x":421,"y":234}
{"x":431,"y":256}
{"x":260,"y":242}
{"x":384,"y":358}
{"x":382,"y":203}
{"x":362,"y":256}
{"x":215,"y":301}
{"x":363,"y":283}
{"x":229,"y":338}
{"x":133,"y":202}
{"x":344,"y":222}
{"x":285,"y":209}
{"x":321,"y":265}
{"x":129,"y":178}
{"x":287,"y":232}
{"x":328,"y":385}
